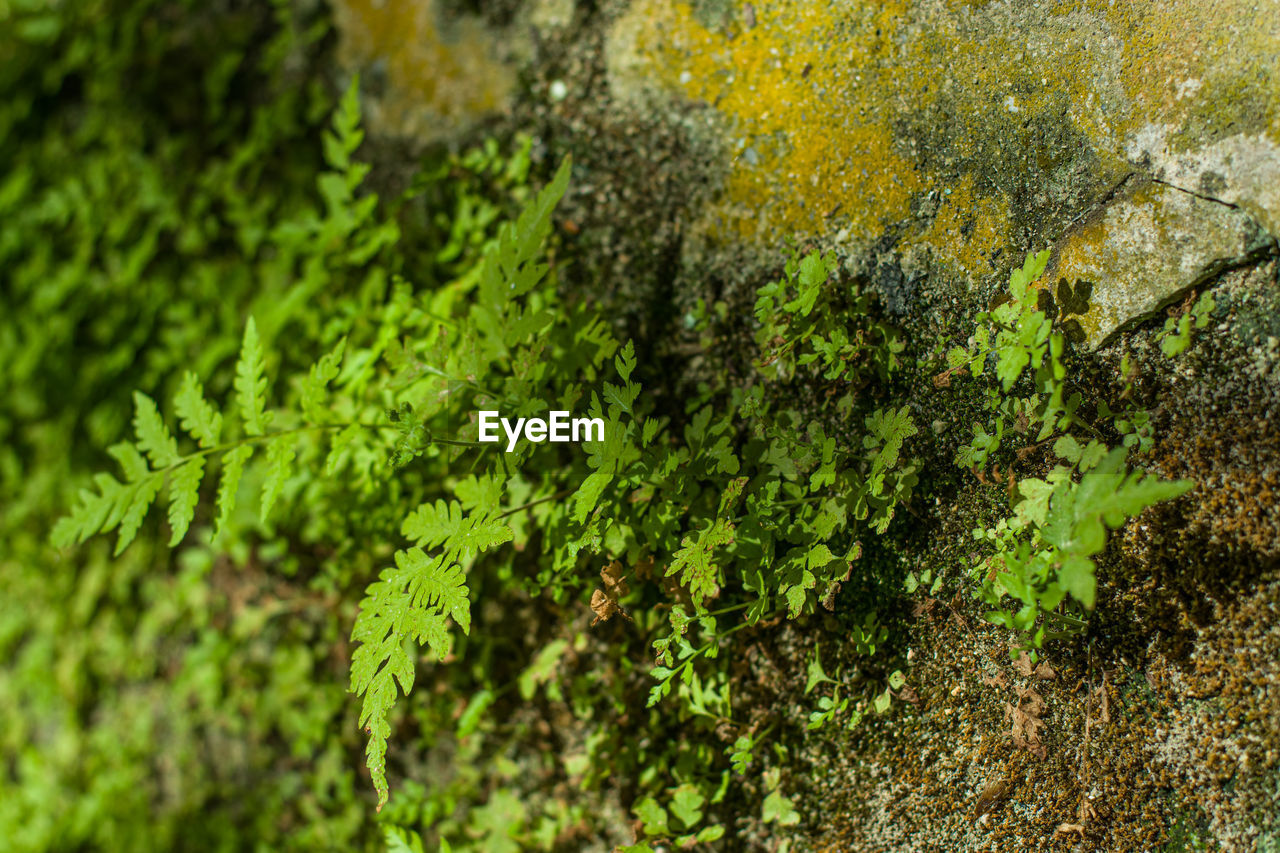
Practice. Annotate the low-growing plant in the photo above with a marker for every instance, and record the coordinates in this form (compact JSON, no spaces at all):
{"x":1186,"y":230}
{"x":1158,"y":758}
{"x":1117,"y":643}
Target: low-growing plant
{"x":1044,"y":554}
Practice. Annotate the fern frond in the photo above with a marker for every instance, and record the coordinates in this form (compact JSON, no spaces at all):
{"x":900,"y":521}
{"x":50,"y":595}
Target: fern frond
{"x":232,"y":467}
{"x":317,"y":382}
{"x":251,"y":382}
{"x":154,"y":438}
{"x":184,"y":494}
{"x":346,"y":136}
{"x":91,"y":511}
{"x":195,"y":414}
{"x":280,"y":455}
{"x":694,"y":561}
{"x":131,"y":461}
{"x":431,"y":525}
{"x":512,"y":267}
{"x":410,"y":602}
{"x":138,"y":499}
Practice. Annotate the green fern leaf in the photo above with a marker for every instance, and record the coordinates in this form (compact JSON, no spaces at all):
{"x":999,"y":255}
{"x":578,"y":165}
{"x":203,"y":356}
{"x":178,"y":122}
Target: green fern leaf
{"x":251,"y":382}
{"x":154,"y":437}
{"x":195,"y":414}
{"x":694,"y":563}
{"x":92,"y":511}
{"x":184,"y":488}
{"x":131,"y":461}
{"x":437,"y":583}
{"x":511,"y":267}
{"x":411,"y":601}
{"x":280,"y":456}
{"x":346,"y":136}
{"x":138,"y":500}
{"x":322,"y":373}
{"x":431,"y":525}
{"x":232,"y":467}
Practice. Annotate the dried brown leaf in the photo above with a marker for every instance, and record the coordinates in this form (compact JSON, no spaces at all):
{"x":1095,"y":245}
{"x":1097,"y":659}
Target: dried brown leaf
{"x":614,"y":582}
{"x":603,"y":606}
{"x":1034,"y":702}
{"x":1023,"y":664}
{"x":1026,"y":722}
{"x":604,"y":602}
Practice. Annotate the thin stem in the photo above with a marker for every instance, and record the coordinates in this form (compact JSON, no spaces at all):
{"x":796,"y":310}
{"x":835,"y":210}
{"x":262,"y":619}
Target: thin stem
{"x":558,"y":495}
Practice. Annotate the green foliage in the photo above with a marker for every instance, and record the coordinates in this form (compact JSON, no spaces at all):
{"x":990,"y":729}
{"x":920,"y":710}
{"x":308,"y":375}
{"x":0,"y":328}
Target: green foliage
{"x":1175,"y":337}
{"x":802,"y":319}
{"x":1045,"y":553}
{"x":309,"y":358}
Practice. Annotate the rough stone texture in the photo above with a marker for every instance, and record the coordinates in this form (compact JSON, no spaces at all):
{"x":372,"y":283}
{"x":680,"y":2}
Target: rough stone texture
{"x":949,"y":136}
{"x":1145,"y":247}
{"x":430,"y":75}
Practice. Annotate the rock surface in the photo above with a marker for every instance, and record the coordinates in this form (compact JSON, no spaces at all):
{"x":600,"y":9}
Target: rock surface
{"x":1146,"y":247}
{"x":947,"y":136}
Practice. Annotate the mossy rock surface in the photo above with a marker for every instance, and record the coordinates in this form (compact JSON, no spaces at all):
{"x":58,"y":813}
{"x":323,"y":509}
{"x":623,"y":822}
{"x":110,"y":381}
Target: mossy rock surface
{"x":933,"y":144}
{"x":954,"y":136}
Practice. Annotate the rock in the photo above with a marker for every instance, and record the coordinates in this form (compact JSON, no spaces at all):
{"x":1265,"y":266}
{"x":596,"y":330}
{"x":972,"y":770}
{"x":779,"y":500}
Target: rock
{"x":958,"y":136}
{"x":1146,"y":248}
{"x":977,"y":132}
{"x":430,"y":77}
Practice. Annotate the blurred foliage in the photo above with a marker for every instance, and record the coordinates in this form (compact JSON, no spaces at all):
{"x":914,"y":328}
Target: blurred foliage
{"x":193,"y":251}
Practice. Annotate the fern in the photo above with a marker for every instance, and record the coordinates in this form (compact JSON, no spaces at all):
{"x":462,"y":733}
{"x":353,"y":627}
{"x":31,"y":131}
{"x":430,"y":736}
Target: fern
{"x":195,"y":414}
{"x":695,"y":561}
{"x":413,"y":602}
{"x":410,"y":602}
{"x":251,"y":383}
{"x":153,"y":458}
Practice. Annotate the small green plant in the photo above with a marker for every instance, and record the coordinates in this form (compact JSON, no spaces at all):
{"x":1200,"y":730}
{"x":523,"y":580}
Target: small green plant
{"x":1044,"y":554}
{"x":800,"y":324}
{"x":1012,"y":337}
{"x":1175,"y":337}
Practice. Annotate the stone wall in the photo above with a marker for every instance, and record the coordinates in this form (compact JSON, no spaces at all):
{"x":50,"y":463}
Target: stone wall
{"x":1139,"y":140}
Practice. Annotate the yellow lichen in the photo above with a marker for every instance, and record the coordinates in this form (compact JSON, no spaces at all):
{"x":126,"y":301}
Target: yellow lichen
{"x":435,"y":80}
{"x":968,"y":228}
{"x":788,"y":79}
{"x":838,"y":116}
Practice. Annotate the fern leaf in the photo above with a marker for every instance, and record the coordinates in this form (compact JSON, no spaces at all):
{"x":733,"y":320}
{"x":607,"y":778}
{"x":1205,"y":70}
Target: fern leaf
{"x":534,"y":222}
{"x":589,"y":492}
{"x":346,"y":136}
{"x":184,"y":488}
{"x":139,"y":498}
{"x":232,"y":467}
{"x":436,"y":583}
{"x":251,"y":382}
{"x":131,"y":461}
{"x":694,"y":563}
{"x":154,"y":438}
{"x":195,"y":414}
{"x":339,"y":447}
{"x":280,"y":456}
{"x":409,"y":602}
{"x":888,"y":428}
{"x":431,"y":525}
{"x":91,"y":513}
{"x":322,"y":373}
{"x":511,"y":268}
